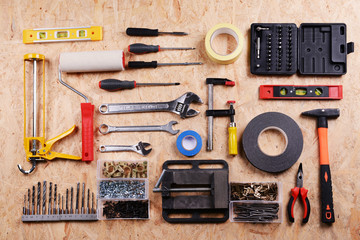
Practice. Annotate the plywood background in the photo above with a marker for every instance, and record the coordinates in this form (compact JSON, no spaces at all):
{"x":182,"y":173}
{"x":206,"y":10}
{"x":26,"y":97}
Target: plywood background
{"x":195,"y":17}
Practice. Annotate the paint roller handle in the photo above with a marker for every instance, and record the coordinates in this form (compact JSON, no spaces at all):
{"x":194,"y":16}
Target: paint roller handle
{"x":142,"y":64}
{"x":142,"y":32}
{"x":87,"y":114}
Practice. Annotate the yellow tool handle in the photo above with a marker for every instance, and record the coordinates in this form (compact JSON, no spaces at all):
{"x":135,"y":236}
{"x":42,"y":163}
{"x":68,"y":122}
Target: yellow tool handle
{"x":233,"y":149}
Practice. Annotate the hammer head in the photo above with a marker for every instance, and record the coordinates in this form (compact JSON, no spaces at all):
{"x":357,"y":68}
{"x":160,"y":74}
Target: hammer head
{"x":323,"y":114}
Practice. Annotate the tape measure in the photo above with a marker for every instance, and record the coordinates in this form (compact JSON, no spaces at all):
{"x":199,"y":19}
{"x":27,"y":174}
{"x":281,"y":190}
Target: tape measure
{"x":224,"y":28}
{"x":189,"y":143}
{"x":288,"y":127}
{"x":39,"y":35}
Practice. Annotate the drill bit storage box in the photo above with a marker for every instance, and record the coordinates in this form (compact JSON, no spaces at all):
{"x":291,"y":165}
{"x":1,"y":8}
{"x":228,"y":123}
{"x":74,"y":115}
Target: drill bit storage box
{"x":311,"y":49}
{"x":123,"y":189}
{"x":256,"y":202}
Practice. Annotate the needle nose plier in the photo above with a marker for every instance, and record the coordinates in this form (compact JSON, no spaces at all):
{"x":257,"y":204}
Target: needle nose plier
{"x":303,"y":194}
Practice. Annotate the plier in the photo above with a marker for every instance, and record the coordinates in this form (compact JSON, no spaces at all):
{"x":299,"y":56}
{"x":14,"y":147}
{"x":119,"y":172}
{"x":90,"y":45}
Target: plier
{"x":303,"y":194}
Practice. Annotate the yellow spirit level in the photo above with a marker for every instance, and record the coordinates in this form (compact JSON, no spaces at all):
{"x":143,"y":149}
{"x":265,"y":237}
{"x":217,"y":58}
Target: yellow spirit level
{"x":40,"y":35}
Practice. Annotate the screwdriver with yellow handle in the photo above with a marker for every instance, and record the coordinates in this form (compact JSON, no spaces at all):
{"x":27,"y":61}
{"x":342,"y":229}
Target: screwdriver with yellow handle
{"x":233,"y":149}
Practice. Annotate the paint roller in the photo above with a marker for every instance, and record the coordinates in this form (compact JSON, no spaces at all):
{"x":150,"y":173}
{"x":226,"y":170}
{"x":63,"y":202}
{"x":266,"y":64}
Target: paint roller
{"x":81,"y":62}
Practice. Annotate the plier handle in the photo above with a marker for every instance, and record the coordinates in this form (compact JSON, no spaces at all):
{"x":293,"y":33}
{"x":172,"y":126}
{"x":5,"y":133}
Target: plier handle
{"x":295,"y":192}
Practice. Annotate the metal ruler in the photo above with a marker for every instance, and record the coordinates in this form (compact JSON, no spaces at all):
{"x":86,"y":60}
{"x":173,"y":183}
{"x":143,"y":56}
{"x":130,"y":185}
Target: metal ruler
{"x":40,"y":35}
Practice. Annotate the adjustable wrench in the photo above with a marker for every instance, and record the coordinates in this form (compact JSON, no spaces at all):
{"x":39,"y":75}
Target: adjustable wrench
{"x":105,"y":129}
{"x":138,"y":148}
{"x":178,"y":106}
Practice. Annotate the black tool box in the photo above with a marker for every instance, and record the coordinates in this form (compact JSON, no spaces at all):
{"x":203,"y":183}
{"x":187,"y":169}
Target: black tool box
{"x":313,"y":49}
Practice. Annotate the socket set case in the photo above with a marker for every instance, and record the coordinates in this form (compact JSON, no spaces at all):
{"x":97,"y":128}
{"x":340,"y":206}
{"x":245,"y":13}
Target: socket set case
{"x":236,"y":204}
{"x":311,"y":49}
{"x":123,"y":189}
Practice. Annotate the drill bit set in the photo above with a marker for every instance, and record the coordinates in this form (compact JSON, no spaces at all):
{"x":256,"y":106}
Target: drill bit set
{"x":57,"y":210}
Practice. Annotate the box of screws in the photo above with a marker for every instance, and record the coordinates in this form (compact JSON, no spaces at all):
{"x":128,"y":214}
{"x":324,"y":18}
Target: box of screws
{"x":43,"y":206}
{"x":256,"y":202}
{"x":123,"y":189}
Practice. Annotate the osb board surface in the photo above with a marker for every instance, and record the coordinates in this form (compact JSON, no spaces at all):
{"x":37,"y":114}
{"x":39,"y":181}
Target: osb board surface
{"x":195,"y":17}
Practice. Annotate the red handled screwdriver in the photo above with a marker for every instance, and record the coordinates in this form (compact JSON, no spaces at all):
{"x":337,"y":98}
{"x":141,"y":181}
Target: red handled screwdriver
{"x":140,"y":48}
{"x":115,"y":85}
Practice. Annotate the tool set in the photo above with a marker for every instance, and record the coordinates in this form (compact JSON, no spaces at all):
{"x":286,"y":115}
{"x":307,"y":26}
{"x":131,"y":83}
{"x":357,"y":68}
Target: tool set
{"x":54,"y":212}
{"x":192,"y":191}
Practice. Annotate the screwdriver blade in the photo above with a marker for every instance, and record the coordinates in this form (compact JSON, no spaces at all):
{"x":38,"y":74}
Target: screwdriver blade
{"x":177,"y":48}
{"x":175,"y":33}
{"x":179,"y":64}
{"x":156,"y":84}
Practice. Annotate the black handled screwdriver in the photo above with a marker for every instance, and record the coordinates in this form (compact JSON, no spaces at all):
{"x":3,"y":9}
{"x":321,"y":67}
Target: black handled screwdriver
{"x":146,"y":32}
{"x":139,"y":48}
{"x":114,"y":84}
{"x":155,"y":64}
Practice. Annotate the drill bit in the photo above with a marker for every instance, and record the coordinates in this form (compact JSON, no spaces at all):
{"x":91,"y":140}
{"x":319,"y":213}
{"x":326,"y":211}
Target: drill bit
{"x":59,"y":203}
{"x":92,"y":203}
{"x":33,"y":201}
{"x":24,"y":208}
{"x":62,"y":204}
{"x":88,"y":202}
{"x":38,"y":198}
{"x":71,"y":200}
{"x":28,"y":201}
{"x":55,"y":195}
{"x":49,"y":205}
{"x":83,"y":199}
{"x":77,"y":199}
{"x":67,"y":198}
{"x":44,"y":198}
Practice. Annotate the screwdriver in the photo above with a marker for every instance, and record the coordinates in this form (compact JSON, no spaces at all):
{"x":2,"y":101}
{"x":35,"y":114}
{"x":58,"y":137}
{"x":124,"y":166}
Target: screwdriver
{"x":149,"y":32}
{"x":139,"y":48}
{"x":114,"y":84}
{"x":155,"y":64}
{"x":233,"y":149}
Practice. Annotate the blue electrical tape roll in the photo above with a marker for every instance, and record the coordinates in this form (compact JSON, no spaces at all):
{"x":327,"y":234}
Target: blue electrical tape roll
{"x":189,"y":143}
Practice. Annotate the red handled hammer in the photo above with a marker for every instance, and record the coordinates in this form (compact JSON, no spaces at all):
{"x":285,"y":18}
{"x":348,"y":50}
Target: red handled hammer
{"x":327,"y":207}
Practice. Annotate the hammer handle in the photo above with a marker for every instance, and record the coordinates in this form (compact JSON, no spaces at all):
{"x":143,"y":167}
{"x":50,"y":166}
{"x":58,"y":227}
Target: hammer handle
{"x":327,"y":207}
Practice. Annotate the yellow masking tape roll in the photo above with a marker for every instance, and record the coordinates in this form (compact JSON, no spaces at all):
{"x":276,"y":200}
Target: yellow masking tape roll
{"x":224,"y":28}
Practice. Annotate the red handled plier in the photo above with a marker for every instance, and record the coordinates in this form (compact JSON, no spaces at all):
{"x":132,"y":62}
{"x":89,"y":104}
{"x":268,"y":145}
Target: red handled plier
{"x":303,"y":194}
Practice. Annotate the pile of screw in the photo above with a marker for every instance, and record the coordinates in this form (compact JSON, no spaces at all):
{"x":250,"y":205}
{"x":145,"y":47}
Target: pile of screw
{"x":125,"y":169}
{"x":256,"y":212}
{"x":254,"y":191}
{"x":126,"y":209}
{"x":124,"y":189}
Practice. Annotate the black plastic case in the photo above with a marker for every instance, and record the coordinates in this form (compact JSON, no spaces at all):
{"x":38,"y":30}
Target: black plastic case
{"x":313,"y":49}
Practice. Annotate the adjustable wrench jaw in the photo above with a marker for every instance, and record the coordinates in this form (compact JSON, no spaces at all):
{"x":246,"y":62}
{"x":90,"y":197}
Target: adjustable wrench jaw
{"x":140,"y":148}
{"x":181,"y":105}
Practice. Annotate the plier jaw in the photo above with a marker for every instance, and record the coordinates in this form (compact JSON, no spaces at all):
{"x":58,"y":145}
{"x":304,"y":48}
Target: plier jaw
{"x":295,"y":192}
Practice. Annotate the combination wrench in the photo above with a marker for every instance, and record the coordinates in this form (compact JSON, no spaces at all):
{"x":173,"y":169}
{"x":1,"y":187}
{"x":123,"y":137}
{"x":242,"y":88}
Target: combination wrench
{"x":105,"y":129}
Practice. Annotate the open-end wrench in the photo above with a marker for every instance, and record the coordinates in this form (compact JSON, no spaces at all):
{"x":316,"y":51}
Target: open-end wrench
{"x":178,"y":106}
{"x":105,"y":129}
{"x":138,"y":148}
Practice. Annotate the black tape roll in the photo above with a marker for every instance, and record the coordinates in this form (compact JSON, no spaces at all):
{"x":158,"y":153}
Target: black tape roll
{"x":278,"y":121}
